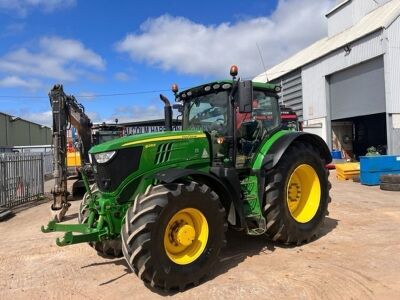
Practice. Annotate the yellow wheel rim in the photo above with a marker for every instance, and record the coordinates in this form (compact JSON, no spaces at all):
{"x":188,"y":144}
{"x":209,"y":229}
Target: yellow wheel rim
{"x":186,"y":236}
{"x":303,"y":193}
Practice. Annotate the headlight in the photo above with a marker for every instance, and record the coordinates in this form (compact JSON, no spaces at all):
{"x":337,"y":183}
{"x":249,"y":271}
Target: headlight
{"x":104,"y":157}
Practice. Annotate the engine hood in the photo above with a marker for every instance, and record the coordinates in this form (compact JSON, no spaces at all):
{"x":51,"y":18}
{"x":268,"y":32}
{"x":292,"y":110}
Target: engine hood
{"x":147,"y":139}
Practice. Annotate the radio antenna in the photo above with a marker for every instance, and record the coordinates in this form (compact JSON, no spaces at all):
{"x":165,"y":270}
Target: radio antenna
{"x":262,"y":61}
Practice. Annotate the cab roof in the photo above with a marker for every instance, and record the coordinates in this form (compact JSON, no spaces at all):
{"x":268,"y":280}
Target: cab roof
{"x":200,"y":89}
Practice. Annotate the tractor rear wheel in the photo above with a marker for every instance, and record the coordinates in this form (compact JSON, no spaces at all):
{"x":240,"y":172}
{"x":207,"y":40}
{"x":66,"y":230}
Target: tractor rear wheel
{"x":297,"y":195}
{"x":107,"y":248}
{"x":173,"y":234}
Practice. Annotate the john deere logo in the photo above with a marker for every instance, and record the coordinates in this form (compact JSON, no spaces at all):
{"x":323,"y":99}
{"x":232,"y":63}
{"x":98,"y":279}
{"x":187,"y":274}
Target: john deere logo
{"x":205,"y":154}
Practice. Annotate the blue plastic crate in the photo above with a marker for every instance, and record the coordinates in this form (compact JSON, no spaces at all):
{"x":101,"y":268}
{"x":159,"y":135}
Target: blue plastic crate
{"x":372,"y":167}
{"x":336,"y":154}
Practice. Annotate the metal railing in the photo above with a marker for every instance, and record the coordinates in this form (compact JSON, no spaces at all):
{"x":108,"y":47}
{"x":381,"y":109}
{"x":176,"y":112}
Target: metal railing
{"x":22,"y":177}
{"x":48,"y":163}
{"x":26,"y":149}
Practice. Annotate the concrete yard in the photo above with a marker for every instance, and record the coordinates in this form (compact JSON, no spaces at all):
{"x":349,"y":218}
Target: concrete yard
{"x":357,"y":256}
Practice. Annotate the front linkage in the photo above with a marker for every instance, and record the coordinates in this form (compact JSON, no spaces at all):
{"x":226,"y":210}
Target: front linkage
{"x":88,"y":234}
{"x":103,"y":221}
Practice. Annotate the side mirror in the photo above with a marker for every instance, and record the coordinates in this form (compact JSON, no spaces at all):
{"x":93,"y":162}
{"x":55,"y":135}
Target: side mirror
{"x":245,"y":96}
{"x":178,"y":107}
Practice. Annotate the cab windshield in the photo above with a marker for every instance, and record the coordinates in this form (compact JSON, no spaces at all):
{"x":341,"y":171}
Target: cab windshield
{"x":207,"y":112}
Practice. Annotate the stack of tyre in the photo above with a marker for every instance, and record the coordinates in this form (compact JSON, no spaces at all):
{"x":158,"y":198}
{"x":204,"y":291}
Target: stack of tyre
{"x":390,"y":182}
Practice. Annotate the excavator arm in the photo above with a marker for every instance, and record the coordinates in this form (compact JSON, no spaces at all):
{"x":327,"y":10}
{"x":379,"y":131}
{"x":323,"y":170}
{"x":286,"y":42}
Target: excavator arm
{"x":66,"y":111}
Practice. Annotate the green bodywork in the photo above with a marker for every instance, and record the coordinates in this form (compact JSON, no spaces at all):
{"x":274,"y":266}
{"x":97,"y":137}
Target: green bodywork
{"x":189,"y":149}
{"x":160,"y":151}
{"x":249,"y":185}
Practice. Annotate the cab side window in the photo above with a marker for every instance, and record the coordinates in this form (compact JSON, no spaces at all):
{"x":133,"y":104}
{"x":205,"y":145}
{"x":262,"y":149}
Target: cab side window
{"x":253,"y":127}
{"x":266,"y":110}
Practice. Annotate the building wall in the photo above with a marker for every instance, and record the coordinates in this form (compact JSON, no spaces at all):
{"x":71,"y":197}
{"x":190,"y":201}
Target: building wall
{"x":350,"y":13}
{"x":22,"y":133}
{"x":392,"y":85}
{"x":292,"y":94}
{"x":362,"y":7}
{"x":316,"y":126}
{"x":316,"y":86}
{"x":314,"y":75}
{"x":340,"y":20}
{"x":3,"y":128}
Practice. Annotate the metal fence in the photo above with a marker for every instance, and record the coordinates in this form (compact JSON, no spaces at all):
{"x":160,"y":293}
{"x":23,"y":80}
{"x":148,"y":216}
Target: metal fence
{"x":22,"y":177}
{"x":48,"y":163}
{"x":26,"y":149}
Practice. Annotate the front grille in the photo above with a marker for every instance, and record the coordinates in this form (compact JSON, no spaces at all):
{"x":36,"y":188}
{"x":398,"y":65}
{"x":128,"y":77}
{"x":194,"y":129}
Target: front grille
{"x":111,"y":174}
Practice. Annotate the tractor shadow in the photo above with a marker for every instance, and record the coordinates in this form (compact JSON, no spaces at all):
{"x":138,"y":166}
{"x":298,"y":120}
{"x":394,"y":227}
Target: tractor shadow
{"x":117,"y":262}
{"x":70,"y":217}
{"x":329,"y":225}
{"x":239,"y":247}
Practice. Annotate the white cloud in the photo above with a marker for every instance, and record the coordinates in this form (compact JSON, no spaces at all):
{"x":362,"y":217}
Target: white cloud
{"x":56,"y":58}
{"x":177,"y":43}
{"x":43,"y":118}
{"x":94,"y":117}
{"x":17,"y":82}
{"x":137,"y":113}
{"x":71,"y":50}
{"x":23,"y":7}
{"x":122,"y":76}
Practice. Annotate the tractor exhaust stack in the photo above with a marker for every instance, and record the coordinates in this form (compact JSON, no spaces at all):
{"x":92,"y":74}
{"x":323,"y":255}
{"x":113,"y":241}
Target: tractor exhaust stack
{"x":167,"y":113}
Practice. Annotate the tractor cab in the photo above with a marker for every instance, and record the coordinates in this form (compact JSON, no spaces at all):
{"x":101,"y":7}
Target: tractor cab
{"x":236,"y":116}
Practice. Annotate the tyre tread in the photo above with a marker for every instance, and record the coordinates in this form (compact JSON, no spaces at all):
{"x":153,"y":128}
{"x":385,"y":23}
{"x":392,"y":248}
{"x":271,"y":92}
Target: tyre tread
{"x":277,"y":229}
{"x":136,"y":236}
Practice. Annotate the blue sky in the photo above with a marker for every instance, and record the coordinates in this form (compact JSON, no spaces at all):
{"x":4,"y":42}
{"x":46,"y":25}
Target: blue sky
{"x":107,"y":47}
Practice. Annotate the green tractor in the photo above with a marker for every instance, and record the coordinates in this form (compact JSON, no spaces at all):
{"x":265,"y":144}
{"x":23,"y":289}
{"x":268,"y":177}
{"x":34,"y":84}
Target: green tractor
{"x":165,"y":200}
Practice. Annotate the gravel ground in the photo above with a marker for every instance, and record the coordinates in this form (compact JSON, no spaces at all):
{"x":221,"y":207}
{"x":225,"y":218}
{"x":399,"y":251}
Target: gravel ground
{"x":357,"y":256}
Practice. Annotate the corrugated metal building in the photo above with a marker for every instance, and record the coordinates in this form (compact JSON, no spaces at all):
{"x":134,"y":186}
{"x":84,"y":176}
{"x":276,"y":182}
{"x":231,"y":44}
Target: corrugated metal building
{"x":15,"y":131}
{"x":346,"y":86}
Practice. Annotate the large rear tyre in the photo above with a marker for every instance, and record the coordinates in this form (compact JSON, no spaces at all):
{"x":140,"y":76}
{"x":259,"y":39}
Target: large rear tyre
{"x":173,"y":234}
{"x":297,"y":195}
{"x":107,"y":248}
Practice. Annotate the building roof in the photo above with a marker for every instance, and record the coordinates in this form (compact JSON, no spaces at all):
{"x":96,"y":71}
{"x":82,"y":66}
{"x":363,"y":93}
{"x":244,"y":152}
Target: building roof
{"x":15,"y":118}
{"x":339,"y":5}
{"x":381,"y":17}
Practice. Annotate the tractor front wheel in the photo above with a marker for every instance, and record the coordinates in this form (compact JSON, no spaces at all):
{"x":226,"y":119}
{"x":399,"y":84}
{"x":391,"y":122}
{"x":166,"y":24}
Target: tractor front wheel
{"x":297,"y":195}
{"x":173,"y":234}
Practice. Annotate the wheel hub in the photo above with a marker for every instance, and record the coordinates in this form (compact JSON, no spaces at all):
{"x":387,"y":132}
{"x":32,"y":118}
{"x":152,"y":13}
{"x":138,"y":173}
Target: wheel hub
{"x":303,"y":193}
{"x":186,"y":236}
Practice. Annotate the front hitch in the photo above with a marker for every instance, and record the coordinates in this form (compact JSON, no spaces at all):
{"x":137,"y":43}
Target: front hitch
{"x":87,"y":234}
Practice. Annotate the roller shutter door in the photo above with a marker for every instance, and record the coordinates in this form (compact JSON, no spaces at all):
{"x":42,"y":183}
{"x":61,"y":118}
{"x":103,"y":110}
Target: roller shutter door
{"x":358,"y":91}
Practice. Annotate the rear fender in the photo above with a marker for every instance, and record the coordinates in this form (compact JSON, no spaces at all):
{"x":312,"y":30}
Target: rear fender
{"x":275,"y":152}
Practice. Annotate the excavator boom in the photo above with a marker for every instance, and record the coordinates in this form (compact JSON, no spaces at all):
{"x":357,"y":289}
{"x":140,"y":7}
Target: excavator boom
{"x":66,"y":112}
